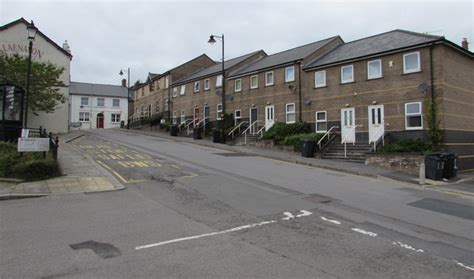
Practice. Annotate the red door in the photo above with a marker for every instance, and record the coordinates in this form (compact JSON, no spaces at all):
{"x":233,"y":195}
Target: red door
{"x":100,"y":121}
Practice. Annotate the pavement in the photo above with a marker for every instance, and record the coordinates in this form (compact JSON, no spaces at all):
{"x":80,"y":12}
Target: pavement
{"x":463,"y":184}
{"x":81,"y":174}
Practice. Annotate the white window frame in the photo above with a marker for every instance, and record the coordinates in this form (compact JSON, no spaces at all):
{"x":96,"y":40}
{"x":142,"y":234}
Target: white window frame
{"x":84,"y":114}
{"x":219,"y":78}
{"x":342,"y":73}
{"x":182,"y":90}
{"x":183,"y":116}
{"x":418,"y":69}
{"x":286,"y":74}
{"x":238,"y":81}
{"x":266,"y":79}
{"x":240,"y":114}
{"x":167,"y":104}
{"x":414,"y":114}
{"x":113,"y":118}
{"x":113,"y":103}
{"x":87,"y":101}
{"x":175,"y":117}
{"x":290,"y":112}
{"x":207,"y":84}
{"x":197,"y":86}
{"x":256,"y":79}
{"x":102,"y":99}
{"x":316,"y":85}
{"x":321,"y":121}
{"x":218,"y":111}
{"x":175,"y":92}
{"x":369,"y":76}
{"x":167,"y":82}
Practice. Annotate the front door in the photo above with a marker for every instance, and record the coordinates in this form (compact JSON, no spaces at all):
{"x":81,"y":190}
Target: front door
{"x":269,"y":117}
{"x":376,"y":122}
{"x":253,"y":115}
{"x":206,"y":116}
{"x":100,"y":121}
{"x":195,"y":117}
{"x":347,"y":125}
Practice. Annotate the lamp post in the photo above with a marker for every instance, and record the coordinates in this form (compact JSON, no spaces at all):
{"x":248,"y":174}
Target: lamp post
{"x":128,"y":91}
{"x":31,"y":28}
{"x":212,"y":41}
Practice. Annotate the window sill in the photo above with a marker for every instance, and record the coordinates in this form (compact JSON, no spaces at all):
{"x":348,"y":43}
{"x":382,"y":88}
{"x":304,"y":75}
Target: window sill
{"x":268,"y":85}
{"x":409,"y":73}
{"x":375,"y":78}
{"x":320,"y":87}
{"x":253,"y":88}
{"x":288,"y":81}
{"x":238,"y":91}
{"x":348,"y":82}
{"x":414,"y":129}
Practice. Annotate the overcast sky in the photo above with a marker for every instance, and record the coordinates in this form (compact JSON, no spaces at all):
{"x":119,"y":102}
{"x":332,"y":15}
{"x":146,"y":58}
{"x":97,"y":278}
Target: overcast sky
{"x":155,"y":36}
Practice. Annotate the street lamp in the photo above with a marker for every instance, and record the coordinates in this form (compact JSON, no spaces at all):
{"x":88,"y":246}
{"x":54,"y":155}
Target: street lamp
{"x":212,"y":40}
{"x":31,"y":28}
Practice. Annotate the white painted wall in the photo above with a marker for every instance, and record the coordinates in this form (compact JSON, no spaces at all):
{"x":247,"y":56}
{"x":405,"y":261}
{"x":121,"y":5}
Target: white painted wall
{"x":43,"y":51}
{"x":107,"y":110}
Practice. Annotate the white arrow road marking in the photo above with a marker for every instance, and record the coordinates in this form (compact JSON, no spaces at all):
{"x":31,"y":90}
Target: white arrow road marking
{"x":471,"y":268}
{"x":332,"y":221}
{"x":406,"y":246}
{"x":288,"y":216}
{"x":206,"y":234}
{"x":303,"y":213}
{"x":364,"y":232}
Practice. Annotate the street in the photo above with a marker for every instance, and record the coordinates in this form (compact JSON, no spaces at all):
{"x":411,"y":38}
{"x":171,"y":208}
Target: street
{"x":202,"y":212}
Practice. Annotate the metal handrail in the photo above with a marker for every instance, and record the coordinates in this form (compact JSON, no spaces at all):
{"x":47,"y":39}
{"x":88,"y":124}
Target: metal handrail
{"x":344,"y":140}
{"x":261,"y":131}
{"x":376,"y":141}
{"x":236,"y":127}
{"x":248,"y":128}
{"x":187,"y":125}
{"x":326,"y":134}
{"x":202,"y":120}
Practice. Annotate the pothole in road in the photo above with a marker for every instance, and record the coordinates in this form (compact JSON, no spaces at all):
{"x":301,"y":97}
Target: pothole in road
{"x":316,"y":198}
{"x":104,"y":250}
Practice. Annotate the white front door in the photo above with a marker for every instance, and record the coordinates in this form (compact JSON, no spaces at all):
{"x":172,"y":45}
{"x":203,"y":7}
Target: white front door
{"x":269,"y":117}
{"x":376,"y":122}
{"x":347,"y":125}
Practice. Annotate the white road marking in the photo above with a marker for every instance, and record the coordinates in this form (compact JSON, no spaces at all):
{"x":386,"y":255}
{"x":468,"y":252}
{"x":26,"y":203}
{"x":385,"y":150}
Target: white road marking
{"x":206,"y":234}
{"x":303,"y":213}
{"x":288,"y":216}
{"x":471,"y":268}
{"x":332,"y":221}
{"x":406,"y":246}
{"x":364,"y":232}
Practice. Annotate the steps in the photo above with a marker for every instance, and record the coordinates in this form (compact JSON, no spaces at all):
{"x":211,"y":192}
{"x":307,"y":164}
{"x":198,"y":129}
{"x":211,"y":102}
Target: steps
{"x":355,"y":153}
{"x":240,"y":140}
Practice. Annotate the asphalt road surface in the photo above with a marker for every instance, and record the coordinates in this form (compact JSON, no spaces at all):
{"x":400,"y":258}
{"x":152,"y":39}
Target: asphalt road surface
{"x":197,"y":212}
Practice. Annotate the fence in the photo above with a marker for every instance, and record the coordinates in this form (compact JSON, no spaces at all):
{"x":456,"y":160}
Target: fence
{"x":53,"y":141}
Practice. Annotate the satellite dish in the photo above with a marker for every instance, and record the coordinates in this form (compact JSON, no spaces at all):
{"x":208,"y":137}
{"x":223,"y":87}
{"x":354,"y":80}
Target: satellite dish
{"x":307,"y":101}
{"x":218,"y":92}
{"x":423,"y":88}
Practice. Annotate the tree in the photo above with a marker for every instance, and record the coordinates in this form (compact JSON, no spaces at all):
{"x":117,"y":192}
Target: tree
{"x":45,"y":84}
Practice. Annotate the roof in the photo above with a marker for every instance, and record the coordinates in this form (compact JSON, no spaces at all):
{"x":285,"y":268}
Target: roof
{"x":287,"y":56}
{"x":106,"y":90}
{"x":22,"y":20}
{"x":217,"y":68}
{"x":389,"y":41}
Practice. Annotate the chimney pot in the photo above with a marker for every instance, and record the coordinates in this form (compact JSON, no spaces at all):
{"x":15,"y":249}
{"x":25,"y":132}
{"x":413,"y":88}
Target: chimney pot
{"x":465,"y":44}
{"x":124,"y":82}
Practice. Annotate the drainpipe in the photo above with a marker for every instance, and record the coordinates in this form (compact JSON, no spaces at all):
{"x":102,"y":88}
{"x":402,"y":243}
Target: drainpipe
{"x":300,"y":106}
{"x":434,"y":118}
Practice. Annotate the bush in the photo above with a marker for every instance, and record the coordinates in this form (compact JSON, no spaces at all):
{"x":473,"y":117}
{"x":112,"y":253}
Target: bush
{"x":165,"y":126}
{"x":406,"y":146}
{"x":295,"y":140}
{"x":36,"y":169}
{"x":279,"y":131}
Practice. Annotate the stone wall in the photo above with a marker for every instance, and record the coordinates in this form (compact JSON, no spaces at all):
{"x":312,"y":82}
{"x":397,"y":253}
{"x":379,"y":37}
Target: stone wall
{"x":407,"y":163}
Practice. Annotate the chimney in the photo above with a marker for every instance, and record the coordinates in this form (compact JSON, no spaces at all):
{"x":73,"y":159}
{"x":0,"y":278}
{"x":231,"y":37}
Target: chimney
{"x":124,"y":82}
{"x":465,"y":44}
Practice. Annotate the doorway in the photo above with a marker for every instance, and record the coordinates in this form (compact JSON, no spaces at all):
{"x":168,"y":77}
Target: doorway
{"x":269,"y":117}
{"x":100,"y":121}
{"x":253,"y":116}
{"x":376,"y":123}
{"x":347,"y":125}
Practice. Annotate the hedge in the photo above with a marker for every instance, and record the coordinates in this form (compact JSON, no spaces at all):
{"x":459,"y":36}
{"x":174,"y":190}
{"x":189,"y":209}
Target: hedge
{"x":295,"y":140}
{"x":406,"y":146}
{"x":279,"y":131}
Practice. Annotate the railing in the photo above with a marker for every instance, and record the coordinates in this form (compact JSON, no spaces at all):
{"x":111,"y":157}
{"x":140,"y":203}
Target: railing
{"x":202,"y":121}
{"x":260,"y":132}
{"x":327,"y":134}
{"x":377,"y":136}
{"x":249,"y":128}
{"x":231,"y":133}
{"x":344,"y":140}
{"x":189,"y":124}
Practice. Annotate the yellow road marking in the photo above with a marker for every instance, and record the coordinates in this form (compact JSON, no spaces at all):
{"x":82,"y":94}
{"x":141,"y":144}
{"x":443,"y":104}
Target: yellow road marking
{"x":191,"y":174}
{"x":175,"y":166}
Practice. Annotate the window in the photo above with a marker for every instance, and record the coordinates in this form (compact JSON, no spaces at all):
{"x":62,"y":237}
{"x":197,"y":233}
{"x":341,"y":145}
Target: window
{"x":238,"y":85}
{"x":149,"y":110}
{"x":151,"y":86}
{"x":143,"y":91}
{"x":167,"y":82}
{"x":182,"y":90}
{"x":116,"y":103}
{"x":183,"y":116}
{"x":219,"y":111}
{"x":115,"y":117}
{"x":219,"y":81}
{"x":320,"y":79}
{"x":175,"y":117}
{"x":321,"y":122}
{"x":157,"y":106}
{"x":374,"y":69}
{"x":100,"y":102}
{"x":84,"y":101}
{"x":83,"y":117}
{"x":254,"y":82}
{"x":268,"y":78}
{"x":413,"y":116}
{"x":207,"y":84}
{"x":290,"y":74}
{"x":238,"y":114}
{"x":411,"y":62}
{"x":347,"y":74}
{"x":197,"y":86}
{"x":158,"y":84}
{"x":167,"y":105}
{"x":290,"y":113}
{"x":175,"y":92}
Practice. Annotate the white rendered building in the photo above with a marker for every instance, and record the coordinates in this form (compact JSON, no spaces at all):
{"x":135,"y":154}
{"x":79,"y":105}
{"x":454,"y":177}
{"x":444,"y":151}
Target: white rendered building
{"x":97,"y":106}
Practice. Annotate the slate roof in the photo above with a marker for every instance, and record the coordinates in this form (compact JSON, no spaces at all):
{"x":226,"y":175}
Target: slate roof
{"x":105,"y":90}
{"x":389,"y":41}
{"x":217,"y":68}
{"x":287,"y":56}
